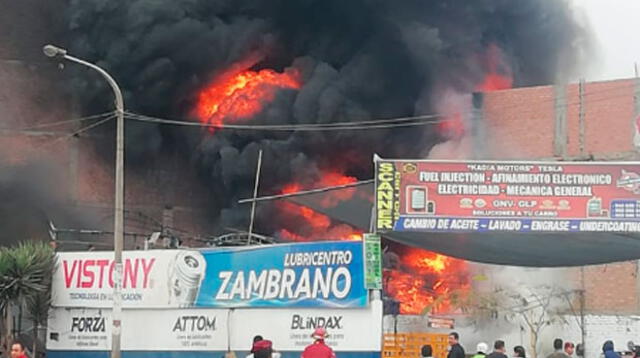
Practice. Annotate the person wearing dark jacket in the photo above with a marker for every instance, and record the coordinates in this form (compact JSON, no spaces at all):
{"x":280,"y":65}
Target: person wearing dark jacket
{"x":426,"y":351}
{"x":607,"y":348}
{"x":498,"y":350}
{"x":557,"y":348}
{"x":455,"y":349}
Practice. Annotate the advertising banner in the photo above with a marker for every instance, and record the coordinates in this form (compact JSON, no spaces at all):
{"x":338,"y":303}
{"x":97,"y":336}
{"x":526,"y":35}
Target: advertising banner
{"x":373,"y":261}
{"x":154,"y":278}
{"x":326,"y":274}
{"x":318,"y":274}
{"x":89,"y":329}
{"x":290,"y":329}
{"x":435,"y":195}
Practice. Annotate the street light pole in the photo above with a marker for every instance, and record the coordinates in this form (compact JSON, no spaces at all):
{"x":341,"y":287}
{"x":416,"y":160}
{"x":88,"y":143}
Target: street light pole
{"x":53,"y":51}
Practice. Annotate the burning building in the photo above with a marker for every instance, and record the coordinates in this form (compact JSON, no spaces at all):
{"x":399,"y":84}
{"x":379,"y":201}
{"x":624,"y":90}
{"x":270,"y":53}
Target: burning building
{"x":289,"y":63}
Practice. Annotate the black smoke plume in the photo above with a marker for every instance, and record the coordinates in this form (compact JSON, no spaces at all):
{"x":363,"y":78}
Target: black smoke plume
{"x":359,"y":59}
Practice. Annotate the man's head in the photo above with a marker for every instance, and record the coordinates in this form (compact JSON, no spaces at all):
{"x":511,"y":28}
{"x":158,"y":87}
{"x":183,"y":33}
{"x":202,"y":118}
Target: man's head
{"x":426,"y":350}
{"x":498,"y":346}
{"x":453,"y":338}
{"x":257,"y":338}
{"x":557,"y":344}
{"x":319,"y":334}
{"x":482,"y":348}
{"x":262,"y":349}
{"x":17,"y":350}
{"x":569,"y":348}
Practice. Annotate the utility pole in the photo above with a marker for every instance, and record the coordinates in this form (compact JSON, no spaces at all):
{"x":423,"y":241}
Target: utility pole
{"x":53,"y":51}
{"x":255,"y":194}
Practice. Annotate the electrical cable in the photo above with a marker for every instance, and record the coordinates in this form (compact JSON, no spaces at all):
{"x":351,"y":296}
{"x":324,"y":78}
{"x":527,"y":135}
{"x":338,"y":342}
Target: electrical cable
{"x":75,"y":133}
{"x":372,"y":124}
{"x":58,"y":123}
{"x":385,"y":123}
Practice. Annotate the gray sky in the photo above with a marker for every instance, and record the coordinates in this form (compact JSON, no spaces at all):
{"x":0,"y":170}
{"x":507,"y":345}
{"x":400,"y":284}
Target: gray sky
{"x":616,"y":26}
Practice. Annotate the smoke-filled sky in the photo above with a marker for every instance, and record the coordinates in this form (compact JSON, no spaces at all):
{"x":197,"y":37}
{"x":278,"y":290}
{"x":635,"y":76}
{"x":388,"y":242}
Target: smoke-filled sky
{"x":358,"y":60}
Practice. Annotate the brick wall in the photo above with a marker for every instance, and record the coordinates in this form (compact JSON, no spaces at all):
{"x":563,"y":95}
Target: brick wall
{"x":523,"y":123}
{"x":523,"y":120}
{"x":609,"y":289}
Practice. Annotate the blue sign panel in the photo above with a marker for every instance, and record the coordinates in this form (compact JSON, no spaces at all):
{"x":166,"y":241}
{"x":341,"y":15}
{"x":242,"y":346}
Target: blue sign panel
{"x":319,"y":274}
{"x":416,"y":223}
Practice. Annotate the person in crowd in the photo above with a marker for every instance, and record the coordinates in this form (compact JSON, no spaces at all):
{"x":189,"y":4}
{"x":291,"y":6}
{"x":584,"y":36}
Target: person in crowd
{"x":481,"y":350}
{"x":256,"y":338}
{"x":557,"y":349}
{"x":426,"y":351}
{"x":318,"y":349}
{"x":17,"y":350}
{"x":263,"y":349}
{"x":519,"y":352}
{"x":580,"y":350}
{"x":498,"y":350}
{"x":569,"y":348}
{"x":609,"y":351}
{"x":455,"y":349}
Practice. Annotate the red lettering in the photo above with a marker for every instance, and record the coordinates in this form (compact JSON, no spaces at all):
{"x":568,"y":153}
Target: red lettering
{"x":101,"y":264}
{"x":88,"y":273}
{"x":146,"y":269}
{"x":79,"y":275}
{"x":131,"y":273}
{"x":68,"y":276}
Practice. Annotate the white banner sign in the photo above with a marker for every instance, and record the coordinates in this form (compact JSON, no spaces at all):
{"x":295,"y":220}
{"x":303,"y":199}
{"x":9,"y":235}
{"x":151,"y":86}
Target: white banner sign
{"x":89,"y":329}
{"x":155,"y":278}
{"x":142,"y":330}
{"x":349,"y":330}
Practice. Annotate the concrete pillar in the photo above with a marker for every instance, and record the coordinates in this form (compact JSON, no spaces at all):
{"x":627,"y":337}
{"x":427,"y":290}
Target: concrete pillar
{"x":560,"y":128}
{"x":477,"y":127}
{"x":581,"y":118}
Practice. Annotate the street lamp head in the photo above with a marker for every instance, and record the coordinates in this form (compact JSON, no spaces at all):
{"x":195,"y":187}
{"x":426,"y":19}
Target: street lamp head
{"x":53,"y":51}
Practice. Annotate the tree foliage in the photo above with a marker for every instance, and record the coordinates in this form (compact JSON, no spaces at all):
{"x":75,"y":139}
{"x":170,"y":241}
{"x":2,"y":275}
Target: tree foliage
{"x":25,"y":281}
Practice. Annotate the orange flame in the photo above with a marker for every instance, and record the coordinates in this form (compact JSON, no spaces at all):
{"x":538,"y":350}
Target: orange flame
{"x":236,"y":94}
{"x":495,"y":82}
{"x":316,"y":225}
{"x":424,"y":279}
{"x":453,"y":126}
{"x":498,"y":75}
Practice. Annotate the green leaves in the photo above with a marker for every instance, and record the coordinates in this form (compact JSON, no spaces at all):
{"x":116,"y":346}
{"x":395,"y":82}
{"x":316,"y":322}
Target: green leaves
{"x":25,"y":273}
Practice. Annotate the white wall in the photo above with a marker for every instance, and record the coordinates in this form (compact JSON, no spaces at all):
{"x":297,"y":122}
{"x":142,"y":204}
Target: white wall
{"x":599,"y":328}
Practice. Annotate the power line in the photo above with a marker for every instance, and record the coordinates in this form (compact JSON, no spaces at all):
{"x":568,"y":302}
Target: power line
{"x":334,"y":124}
{"x":58,"y":123}
{"x":408,"y":121}
{"x":379,"y":124}
{"x":75,"y":133}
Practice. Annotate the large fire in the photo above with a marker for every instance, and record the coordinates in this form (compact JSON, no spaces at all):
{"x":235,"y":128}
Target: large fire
{"x":424,"y":280}
{"x":241,"y":94}
{"x":498,"y":75}
{"x":421,"y":278}
{"x":318,"y":226}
